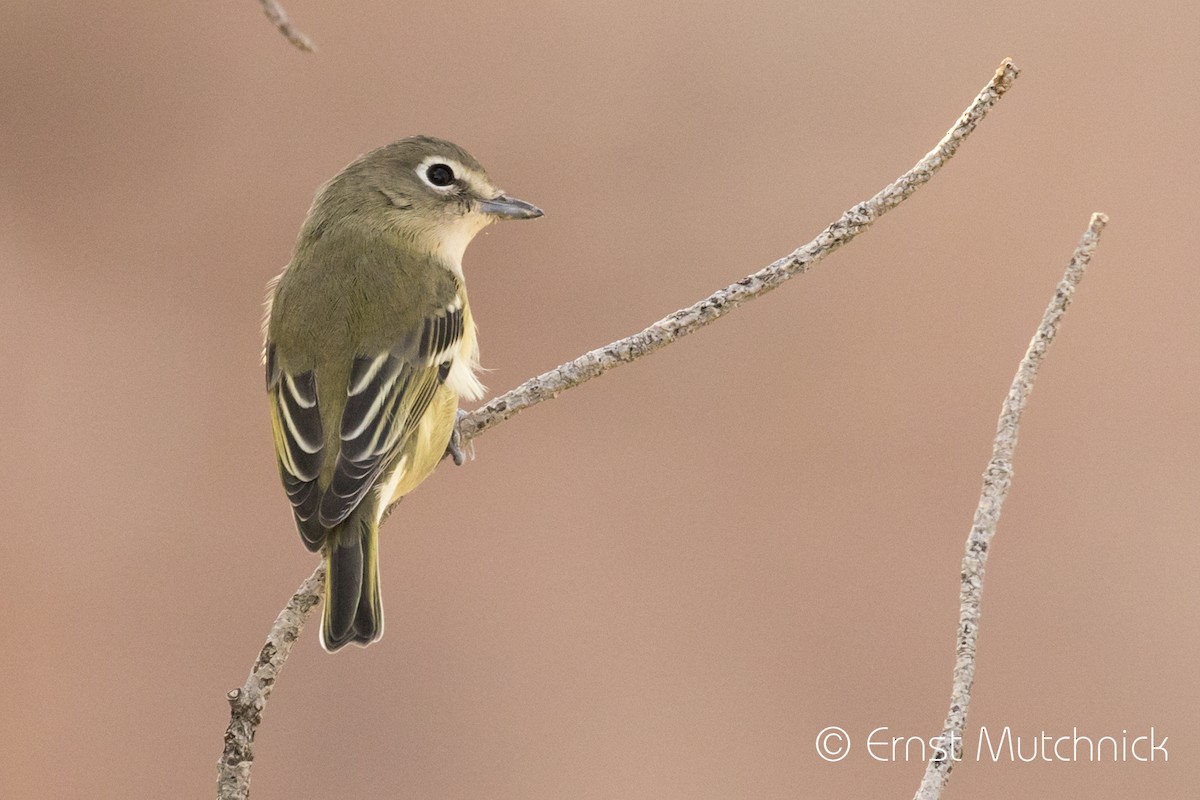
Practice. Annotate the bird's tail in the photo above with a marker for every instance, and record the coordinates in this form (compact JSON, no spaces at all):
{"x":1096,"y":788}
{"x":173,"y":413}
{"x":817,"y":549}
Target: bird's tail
{"x":353,"y":608}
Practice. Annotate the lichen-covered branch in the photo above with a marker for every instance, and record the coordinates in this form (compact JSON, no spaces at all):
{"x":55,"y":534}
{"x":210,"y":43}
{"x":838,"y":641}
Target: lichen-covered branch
{"x":248,"y":706}
{"x":996,"y":481}
{"x":277,"y":15}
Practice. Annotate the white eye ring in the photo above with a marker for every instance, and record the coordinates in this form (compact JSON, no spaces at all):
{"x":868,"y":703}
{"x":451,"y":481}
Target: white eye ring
{"x":431,"y":165}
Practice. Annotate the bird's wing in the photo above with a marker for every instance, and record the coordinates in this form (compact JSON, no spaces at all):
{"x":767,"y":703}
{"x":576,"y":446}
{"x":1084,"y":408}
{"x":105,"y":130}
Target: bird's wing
{"x":386,"y":396}
{"x":299,"y":440}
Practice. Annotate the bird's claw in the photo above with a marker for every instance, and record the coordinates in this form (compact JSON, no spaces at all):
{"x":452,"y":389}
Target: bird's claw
{"x":454,"y":448}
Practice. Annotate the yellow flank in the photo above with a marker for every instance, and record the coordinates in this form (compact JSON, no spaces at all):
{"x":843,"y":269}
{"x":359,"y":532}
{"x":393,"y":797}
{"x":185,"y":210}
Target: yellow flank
{"x":423,"y":451}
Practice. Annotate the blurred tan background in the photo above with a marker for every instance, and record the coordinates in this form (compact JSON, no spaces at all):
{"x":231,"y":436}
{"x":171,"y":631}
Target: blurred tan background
{"x":665,"y":583}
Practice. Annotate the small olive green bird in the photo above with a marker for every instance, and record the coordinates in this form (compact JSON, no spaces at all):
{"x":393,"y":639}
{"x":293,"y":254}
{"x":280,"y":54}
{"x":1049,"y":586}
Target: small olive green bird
{"x":369,"y":344}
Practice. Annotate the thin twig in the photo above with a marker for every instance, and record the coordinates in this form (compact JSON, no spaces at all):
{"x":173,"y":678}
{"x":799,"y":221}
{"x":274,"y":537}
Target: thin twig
{"x":277,"y":15}
{"x":996,"y":481}
{"x":247,"y":713}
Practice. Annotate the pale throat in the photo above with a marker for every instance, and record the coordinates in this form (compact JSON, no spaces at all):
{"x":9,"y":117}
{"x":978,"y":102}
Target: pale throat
{"x":449,"y":242}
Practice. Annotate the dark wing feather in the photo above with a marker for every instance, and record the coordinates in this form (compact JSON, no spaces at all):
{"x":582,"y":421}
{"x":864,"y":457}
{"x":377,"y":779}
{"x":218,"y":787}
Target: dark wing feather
{"x":376,"y":383}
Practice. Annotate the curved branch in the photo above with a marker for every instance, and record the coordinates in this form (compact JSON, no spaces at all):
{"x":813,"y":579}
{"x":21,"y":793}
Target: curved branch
{"x":277,"y":15}
{"x":721,"y":302}
{"x":249,"y":701}
{"x":246,"y":704}
{"x":996,"y":481}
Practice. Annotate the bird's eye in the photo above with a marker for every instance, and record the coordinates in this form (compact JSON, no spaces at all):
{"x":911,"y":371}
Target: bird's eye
{"x":440,"y":175}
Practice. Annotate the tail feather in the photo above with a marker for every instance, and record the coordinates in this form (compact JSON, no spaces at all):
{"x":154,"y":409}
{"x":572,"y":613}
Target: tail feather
{"x":353,"y":609}
{"x":368,"y":622}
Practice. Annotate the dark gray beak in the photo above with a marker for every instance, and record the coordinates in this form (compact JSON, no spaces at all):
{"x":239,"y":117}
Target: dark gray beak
{"x":506,"y":207}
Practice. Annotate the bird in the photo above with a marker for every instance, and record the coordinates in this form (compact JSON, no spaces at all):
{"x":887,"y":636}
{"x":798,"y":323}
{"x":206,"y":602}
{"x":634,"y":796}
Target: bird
{"x":369,"y":343}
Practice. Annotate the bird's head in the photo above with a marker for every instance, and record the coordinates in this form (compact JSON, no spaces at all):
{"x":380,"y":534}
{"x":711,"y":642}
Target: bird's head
{"x":429,"y":190}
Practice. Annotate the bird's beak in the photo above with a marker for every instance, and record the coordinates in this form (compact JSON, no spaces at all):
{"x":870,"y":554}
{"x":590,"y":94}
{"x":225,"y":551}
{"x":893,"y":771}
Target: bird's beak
{"x":506,"y":207}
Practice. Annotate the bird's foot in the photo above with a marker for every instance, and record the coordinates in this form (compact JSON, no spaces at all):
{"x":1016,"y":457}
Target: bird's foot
{"x":454,"y":448}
